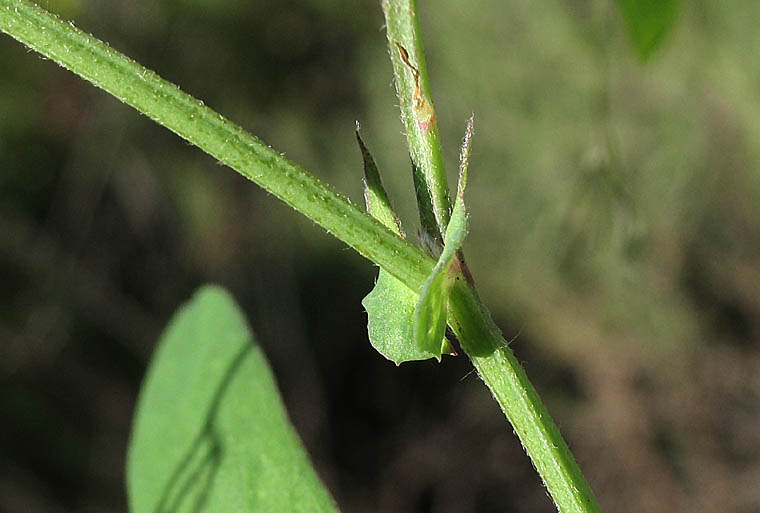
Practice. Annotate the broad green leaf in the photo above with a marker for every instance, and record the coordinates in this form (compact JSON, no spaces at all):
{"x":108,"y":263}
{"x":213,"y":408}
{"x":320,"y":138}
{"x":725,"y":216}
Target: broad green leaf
{"x":210,"y":433}
{"x":431,"y":311}
{"x":390,"y":304}
{"x":648,"y":22}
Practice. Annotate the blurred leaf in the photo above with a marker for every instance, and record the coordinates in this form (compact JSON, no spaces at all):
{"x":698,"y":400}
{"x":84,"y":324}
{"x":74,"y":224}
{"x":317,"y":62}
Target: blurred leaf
{"x":648,"y":22}
{"x":390,"y":304}
{"x":210,"y":433}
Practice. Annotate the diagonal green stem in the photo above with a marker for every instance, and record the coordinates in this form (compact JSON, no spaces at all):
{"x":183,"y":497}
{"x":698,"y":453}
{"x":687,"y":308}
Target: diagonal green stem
{"x":189,"y":118}
{"x":231,"y":145}
{"x":498,"y":367}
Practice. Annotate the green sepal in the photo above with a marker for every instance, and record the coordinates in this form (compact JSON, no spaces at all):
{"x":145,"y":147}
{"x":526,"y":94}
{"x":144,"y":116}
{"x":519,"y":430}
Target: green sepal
{"x":390,"y":309}
{"x":430,"y":315}
{"x":390,"y":305}
{"x":430,"y":231}
{"x":431,"y":311}
{"x":375,"y":198}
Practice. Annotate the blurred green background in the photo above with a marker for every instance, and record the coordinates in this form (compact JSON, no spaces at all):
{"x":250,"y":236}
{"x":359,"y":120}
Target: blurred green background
{"x":615,"y":233}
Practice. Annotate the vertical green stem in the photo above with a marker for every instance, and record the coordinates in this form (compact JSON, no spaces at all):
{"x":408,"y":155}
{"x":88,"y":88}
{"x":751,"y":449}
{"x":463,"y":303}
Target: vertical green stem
{"x":417,"y":111}
{"x":479,"y":337}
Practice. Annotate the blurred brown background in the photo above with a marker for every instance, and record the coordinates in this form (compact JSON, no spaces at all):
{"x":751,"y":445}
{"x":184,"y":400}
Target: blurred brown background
{"x":615,"y":233}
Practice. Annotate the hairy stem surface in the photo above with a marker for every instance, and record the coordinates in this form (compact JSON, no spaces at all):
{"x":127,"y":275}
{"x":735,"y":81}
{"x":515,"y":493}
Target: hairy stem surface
{"x":480,"y":338}
{"x":189,"y":118}
{"x":498,"y":367}
{"x":417,"y":110}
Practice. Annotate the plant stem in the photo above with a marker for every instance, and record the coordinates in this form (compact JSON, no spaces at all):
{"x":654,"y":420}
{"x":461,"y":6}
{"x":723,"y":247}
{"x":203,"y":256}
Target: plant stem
{"x":189,"y":118}
{"x":417,"y":111}
{"x":228,"y":143}
{"x":480,"y":338}
{"x":497,"y":366}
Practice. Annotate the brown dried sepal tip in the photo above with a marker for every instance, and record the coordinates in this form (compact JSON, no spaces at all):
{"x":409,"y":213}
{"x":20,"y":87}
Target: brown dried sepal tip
{"x":423,"y":110}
